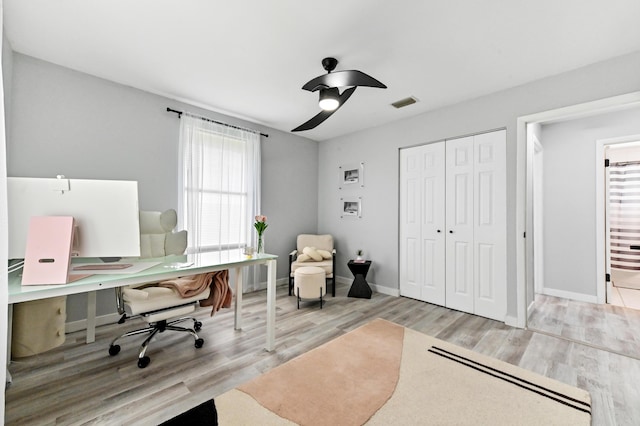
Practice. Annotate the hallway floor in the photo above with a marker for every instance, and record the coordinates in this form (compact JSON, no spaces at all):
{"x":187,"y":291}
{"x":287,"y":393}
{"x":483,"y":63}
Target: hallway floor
{"x":608,"y":327}
{"x":626,"y":297}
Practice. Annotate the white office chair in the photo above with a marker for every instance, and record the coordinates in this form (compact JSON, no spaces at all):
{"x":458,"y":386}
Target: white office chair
{"x":157,"y":305}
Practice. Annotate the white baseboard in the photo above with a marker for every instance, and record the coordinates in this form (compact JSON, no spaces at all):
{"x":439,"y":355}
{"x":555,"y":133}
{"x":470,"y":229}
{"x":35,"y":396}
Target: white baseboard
{"x":377,"y":288}
{"x":386,"y":290}
{"x":511,"y":321}
{"x":263,"y":284}
{"x":100,"y":320}
{"x":580,"y":297}
{"x":115,"y":317}
{"x":343,"y":280}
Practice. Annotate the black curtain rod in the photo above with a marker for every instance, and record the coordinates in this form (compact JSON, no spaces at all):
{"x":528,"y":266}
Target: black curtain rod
{"x":214,"y":121}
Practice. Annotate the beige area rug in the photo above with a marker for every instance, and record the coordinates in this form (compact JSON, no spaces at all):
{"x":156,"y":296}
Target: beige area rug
{"x":383,"y":373}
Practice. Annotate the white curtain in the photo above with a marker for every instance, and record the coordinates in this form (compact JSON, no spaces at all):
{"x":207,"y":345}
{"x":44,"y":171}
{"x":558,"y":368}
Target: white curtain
{"x":219,"y":193}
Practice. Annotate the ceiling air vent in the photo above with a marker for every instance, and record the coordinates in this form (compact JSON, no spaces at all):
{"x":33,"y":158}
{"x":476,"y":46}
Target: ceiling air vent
{"x":405,"y":102}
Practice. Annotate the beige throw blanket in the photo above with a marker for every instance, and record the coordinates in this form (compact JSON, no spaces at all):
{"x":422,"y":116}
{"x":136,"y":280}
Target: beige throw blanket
{"x":220,"y":295}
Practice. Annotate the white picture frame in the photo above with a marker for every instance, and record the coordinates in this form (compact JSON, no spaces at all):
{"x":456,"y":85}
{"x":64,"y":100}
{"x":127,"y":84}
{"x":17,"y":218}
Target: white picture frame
{"x":351,"y":207}
{"x":351,"y":175}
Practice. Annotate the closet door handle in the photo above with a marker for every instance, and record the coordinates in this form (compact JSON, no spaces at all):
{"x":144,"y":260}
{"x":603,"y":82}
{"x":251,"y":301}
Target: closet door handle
{"x":451,"y":231}
{"x":438,"y":231}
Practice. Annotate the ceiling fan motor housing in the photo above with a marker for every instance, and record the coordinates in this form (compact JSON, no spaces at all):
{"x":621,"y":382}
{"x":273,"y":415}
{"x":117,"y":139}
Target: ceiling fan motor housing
{"x":329,"y":64}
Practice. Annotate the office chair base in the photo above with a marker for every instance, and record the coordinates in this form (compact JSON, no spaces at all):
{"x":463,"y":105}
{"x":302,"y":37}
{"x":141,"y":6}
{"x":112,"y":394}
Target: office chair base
{"x":153,"y":329}
{"x":143,"y":362}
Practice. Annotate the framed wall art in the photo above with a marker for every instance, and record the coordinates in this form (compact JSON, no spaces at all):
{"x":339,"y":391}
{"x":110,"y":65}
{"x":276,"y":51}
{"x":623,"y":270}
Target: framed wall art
{"x":351,"y":175}
{"x":351,"y":207}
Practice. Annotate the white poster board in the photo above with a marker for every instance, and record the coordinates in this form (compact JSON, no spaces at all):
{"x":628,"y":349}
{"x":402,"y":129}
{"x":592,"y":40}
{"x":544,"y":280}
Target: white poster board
{"x":106,"y":213}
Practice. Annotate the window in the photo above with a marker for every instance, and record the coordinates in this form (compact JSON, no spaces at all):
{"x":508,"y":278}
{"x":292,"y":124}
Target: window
{"x":220,"y":189}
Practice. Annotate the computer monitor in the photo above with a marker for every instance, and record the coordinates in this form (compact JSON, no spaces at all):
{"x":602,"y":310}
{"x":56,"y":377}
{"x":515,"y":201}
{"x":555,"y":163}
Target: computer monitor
{"x":105,"y":211}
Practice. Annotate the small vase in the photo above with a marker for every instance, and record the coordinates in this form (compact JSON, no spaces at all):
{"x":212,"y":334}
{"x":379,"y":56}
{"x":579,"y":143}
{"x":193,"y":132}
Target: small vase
{"x":260,"y":244}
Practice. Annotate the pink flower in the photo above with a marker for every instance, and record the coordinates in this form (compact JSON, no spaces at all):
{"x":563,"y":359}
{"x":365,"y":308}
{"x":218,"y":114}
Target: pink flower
{"x":260,"y":224}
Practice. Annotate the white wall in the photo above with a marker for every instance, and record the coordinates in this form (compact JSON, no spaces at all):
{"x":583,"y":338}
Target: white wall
{"x":5,"y":72}
{"x":569,"y":197}
{"x":67,"y":122}
{"x":65,"y":118}
{"x":377,"y":231}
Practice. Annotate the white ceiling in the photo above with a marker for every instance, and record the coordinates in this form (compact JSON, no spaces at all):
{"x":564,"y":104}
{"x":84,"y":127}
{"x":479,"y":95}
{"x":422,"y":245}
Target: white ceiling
{"x":250,"y":58}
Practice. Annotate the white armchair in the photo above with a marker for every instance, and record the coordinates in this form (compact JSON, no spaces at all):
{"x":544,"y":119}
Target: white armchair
{"x":324,"y":257}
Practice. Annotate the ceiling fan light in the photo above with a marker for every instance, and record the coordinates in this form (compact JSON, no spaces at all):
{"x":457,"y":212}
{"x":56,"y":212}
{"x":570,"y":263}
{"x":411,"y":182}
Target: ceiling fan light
{"x":329,"y":99}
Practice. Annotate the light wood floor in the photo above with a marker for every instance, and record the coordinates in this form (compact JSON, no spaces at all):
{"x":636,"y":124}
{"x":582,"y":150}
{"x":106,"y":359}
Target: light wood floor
{"x":81,"y":384}
{"x":609,"y":327}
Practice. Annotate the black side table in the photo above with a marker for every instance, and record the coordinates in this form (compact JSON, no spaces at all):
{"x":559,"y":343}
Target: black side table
{"x":360,"y":287}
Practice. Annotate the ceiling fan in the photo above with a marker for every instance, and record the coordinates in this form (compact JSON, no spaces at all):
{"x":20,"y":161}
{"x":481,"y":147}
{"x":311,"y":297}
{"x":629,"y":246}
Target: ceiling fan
{"x":328,"y":85}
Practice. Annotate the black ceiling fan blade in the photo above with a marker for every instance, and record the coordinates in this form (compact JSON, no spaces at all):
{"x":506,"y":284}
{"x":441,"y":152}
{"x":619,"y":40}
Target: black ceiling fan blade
{"x":342,"y":79}
{"x":315,"y":121}
{"x":323,"y":115}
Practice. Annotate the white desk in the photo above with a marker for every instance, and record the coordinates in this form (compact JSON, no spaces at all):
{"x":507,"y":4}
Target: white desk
{"x":202,"y":263}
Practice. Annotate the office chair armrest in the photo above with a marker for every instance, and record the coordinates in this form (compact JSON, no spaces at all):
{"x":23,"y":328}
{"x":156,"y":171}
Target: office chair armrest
{"x":293,"y":253}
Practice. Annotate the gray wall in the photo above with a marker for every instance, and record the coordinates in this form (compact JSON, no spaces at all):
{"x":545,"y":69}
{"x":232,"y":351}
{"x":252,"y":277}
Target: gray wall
{"x":67,"y":122}
{"x":377,"y":231}
{"x":569,"y":179}
{"x":65,"y":119}
{"x":7,"y":82}
{"x":5,"y":76}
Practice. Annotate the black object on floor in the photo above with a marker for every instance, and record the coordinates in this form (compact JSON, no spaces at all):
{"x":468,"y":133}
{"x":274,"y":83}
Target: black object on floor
{"x":360,"y":288}
{"x":201,"y":415}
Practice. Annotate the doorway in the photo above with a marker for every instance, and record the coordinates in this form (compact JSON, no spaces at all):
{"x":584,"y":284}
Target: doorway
{"x":524,"y":196}
{"x":574,"y":313}
{"x":622,"y":213}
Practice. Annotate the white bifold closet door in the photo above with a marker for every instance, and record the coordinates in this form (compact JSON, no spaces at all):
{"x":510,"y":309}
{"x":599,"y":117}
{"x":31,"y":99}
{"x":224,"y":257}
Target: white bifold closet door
{"x":422,"y":245}
{"x":459,"y":224}
{"x":453,"y":224}
{"x":490,"y":232}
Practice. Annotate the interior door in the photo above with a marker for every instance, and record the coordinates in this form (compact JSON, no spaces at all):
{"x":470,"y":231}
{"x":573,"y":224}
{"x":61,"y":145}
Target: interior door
{"x":489,"y":234}
{"x":459,"y":224}
{"x":433,"y":221}
{"x":422,"y":250}
{"x":410,"y":223}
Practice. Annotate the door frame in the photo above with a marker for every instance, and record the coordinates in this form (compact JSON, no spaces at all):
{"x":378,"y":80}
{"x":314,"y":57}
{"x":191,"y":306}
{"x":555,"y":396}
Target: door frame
{"x":538,"y":213}
{"x":524,"y":175}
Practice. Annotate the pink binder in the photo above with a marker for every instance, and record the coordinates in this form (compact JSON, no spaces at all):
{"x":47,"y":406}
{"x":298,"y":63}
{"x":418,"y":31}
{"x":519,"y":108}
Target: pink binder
{"x":47,"y":257}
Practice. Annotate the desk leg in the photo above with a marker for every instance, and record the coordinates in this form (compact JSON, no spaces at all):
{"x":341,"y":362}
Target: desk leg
{"x":271,"y":305}
{"x":8,"y":378}
{"x":238,"y":305}
{"x":91,"y":317}
{"x":9,"y":332}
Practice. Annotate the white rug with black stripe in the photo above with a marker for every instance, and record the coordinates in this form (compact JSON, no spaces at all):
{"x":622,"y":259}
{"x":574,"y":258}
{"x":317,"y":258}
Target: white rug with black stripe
{"x":428,"y":381}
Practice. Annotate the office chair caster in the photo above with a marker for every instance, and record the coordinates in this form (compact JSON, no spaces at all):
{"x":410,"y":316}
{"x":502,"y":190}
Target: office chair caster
{"x":199,"y":342}
{"x":114,"y":350}
{"x":143,"y":362}
{"x":197,"y":326}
